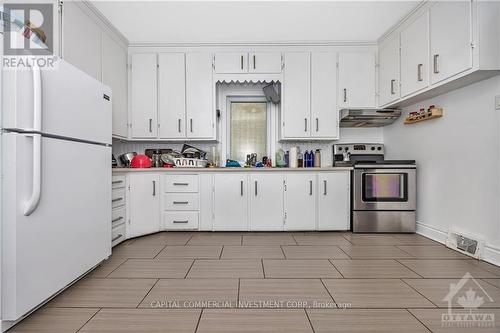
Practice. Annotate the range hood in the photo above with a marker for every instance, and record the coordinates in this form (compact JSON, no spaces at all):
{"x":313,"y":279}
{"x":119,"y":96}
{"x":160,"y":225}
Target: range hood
{"x":368,"y":117}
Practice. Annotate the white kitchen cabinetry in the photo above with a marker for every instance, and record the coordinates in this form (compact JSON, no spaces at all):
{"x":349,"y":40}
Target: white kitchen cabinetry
{"x":144,"y":199}
{"x":388,"y":80}
{"x":172,"y":95}
{"x":356,"y":79}
{"x":266,"y":201}
{"x":144,"y":96}
{"x":324,"y":113}
{"x":243,"y":62}
{"x":334,"y":200}
{"x":200,"y":112}
{"x":415,"y":55}
{"x":231,"y":62}
{"x":296,"y":102}
{"x":265,"y":62}
{"x":114,"y":75}
{"x":450,"y":39}
{"x":300,"y":196}
{"x":118,"y":213}
{"x":180,"y":202}
{"x":230,"y":202}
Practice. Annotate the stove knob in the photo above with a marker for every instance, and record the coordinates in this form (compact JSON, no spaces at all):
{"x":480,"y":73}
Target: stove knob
{"x":379,"y":148}
{"x":340,"y":148}
{"x":373,"y":148}
{"x":346,"y":148}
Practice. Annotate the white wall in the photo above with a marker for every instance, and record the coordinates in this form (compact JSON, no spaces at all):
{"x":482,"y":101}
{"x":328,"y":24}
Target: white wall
{"x":458,"y":163}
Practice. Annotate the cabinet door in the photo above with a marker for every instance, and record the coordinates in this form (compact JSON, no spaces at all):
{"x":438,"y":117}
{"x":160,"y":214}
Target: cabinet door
{"x":324,"y":113}
{"x":114,"y":75}
{"x":263,"y":62}
{"x":266,"y":201}
{"x":357,"y":79}
{"x":333,"y":200}
{"x":388,"y":79}
{"x":415,"y":56}
{"x":231,"y":63}
{"x":450,"y":37}
{"x":200,"y":114}
{"x":230,"y":202}
{"x":81,"y":40}
{"x":296,"y":112}
{"x":144,"y":202}
{"x":172,"y":95}
{"x":299,"y":201}
{"x":144,"y":96}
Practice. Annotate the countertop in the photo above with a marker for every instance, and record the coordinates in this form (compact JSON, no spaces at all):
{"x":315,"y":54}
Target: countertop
{"x":200,"y":170}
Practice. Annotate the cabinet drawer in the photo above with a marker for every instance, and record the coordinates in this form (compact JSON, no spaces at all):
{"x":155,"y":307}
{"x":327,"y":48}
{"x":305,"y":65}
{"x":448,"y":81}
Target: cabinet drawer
{"x":180,"y":220}
{"x":181,"y":201}
{"x":118,"y":198}
{"x":118,"y":234}
{"x":118,"y":182}
{"x":118,"y":216}
{"x":181,"y":183}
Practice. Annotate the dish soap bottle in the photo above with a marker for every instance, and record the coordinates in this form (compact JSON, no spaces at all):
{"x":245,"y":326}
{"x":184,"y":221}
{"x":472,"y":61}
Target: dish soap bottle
{"x":317,"y":158}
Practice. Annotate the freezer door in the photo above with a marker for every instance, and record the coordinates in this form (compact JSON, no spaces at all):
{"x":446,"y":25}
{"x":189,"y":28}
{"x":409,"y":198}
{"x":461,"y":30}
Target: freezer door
{"x":67,"y":234}
{"x":73,"y":104}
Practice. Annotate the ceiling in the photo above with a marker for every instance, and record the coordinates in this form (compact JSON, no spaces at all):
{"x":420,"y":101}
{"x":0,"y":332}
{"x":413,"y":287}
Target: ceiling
{"x":253,"y":21}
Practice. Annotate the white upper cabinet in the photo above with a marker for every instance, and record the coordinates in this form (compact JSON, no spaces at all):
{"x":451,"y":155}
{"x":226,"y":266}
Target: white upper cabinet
{"x":388,"y":80}
{"x":334,"y":200}
{"x":450,"y":39}
{"x":357,"y":79}
{"x":266,"y":201}
{"x":231,"y":62}
{"x":200,"y":111}
{"x":296,"y":105}
{"x":172,"y":95}
{"x":82,"y":45}
{"x":144,"y":198}
{"x":144,"y":96}
{"x":300,"y":201}
{"x":114,"y":75}
{"x":324,"y":113}
{"x":230,"y":202}
{"x":415,"y":55}
{"x":265,"y":62}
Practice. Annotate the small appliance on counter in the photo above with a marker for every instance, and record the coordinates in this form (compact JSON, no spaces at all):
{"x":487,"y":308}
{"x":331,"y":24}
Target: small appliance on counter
{"x":126,"y":159}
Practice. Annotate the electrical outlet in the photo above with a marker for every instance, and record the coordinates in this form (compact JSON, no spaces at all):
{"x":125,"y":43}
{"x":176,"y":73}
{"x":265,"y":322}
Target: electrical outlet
{"x":497,"y":102}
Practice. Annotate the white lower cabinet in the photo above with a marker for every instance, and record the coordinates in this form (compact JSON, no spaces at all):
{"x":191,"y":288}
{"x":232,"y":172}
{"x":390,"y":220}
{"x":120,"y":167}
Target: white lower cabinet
{"x":300,"y":212}
{"x":180,"y":220}
{"x":266,"y":201}
{"x":144,"y":200}
{"x":230,"y":202}
{"x":334,"y":193}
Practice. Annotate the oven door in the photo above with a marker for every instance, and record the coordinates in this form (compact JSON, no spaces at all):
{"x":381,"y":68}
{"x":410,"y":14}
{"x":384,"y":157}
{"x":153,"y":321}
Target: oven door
{"x":385,"y":189}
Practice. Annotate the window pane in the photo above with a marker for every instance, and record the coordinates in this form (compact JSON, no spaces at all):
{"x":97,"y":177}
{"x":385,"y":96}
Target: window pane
{"x":248,"y":130}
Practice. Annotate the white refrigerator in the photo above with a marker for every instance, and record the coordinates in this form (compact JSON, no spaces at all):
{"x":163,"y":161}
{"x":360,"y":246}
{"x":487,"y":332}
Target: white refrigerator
{"x":55,"y":184}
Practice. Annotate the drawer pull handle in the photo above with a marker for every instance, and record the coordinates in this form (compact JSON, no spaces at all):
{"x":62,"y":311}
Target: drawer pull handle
{"x":181,"y":202}
{"x":117,"y":219}
{"x":183,"y":221}
{"x":117,"y":199}
{"x":117,"y":237}
{"x":181,"y":184}
{"x":117,"y":181}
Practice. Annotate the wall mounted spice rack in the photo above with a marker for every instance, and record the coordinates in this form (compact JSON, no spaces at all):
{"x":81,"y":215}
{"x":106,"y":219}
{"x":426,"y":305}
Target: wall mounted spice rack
{"x":431,"y":113}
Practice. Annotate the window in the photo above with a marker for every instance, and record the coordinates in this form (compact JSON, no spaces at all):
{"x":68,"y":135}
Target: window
{"x":248,"y":129}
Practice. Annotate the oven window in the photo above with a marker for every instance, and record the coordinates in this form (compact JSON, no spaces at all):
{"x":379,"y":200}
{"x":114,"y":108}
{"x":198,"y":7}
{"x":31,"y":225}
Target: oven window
{"x":385,"y":187}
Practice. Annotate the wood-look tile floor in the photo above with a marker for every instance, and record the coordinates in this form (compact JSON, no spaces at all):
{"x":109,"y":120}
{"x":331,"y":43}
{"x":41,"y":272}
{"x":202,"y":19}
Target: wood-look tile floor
{"x":319,"y":282}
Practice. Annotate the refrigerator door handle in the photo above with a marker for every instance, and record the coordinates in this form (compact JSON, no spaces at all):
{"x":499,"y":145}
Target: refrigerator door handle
{"x":37,"y":99}
{"x":32,"y":203}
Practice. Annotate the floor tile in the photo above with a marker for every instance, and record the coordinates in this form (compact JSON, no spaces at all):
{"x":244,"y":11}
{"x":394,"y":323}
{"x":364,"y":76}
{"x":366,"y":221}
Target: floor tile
{"x":191,"y":293}
{"x":273,"y":239}
{"x":374,"y":252}
{"x":254,"y":321}
{"x":432,"y":318}
{"x":436,"y":290}
{"x":495,"y":282}
{"x":314,"y":252}
{"x":191,"y":251}
{"x":153,"y":268}
{"x":446,"y":268}
{"x":54,"y":320}
{"x":143,"y":320}
{"x":362,"y":321}
{"x":377,"y":268}
{"x":99,"y":293}
{"x":245,"y":268}
{"x":215,"y":239}
{"x":375,"y":293}
{"x":321,"y":239}
{"x":131,"y":250}
{"x":283,"y":293}
{"x":431,"y":252}
{"x":413,"y":239}
{"x":163,"y":238}
{"x":251,"y":252}
{"x":372,"y":239}
{"x":105,"y":268}
{"x":297,"y":269}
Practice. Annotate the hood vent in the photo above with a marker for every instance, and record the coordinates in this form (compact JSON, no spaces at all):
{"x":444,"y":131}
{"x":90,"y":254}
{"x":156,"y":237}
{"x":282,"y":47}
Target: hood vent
{"x":368,"y":117}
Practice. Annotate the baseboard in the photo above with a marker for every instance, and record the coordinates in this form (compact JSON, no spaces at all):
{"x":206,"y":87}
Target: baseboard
{"x":491,"y":253}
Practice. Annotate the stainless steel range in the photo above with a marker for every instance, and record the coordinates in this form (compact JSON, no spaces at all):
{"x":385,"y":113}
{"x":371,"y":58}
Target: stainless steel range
{"x":383,"y":191}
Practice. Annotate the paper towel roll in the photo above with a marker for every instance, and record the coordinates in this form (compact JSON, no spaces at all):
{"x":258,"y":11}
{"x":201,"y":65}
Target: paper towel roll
{"x":294,"y":151}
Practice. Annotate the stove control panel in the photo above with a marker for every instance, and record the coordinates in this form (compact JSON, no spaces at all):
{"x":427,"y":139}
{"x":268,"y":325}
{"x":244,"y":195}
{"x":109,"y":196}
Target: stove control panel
{"x":359,"y":148}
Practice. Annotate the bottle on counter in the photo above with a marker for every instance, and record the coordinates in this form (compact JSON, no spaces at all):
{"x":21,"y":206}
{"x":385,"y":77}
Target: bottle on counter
{"x":300,"y":160}
{"x":287,"y":159}
{"x":307,"y":156}
{"x":311,"y":159}
{"x":317,"y":158}
{"x":280,"y":158}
